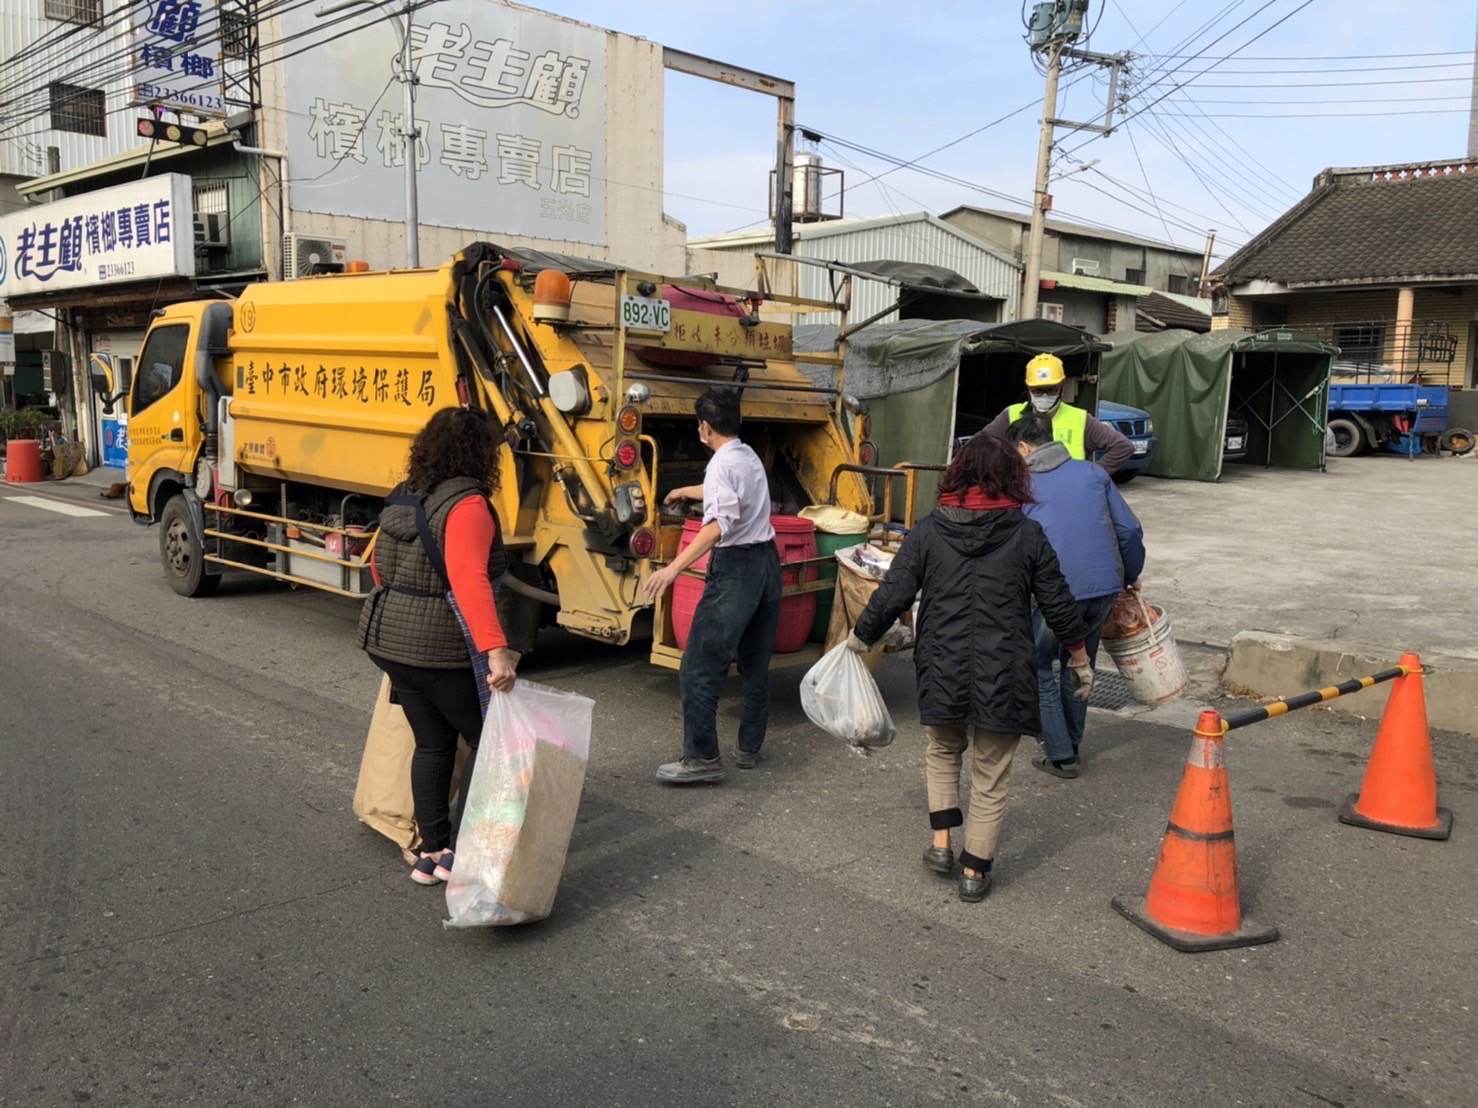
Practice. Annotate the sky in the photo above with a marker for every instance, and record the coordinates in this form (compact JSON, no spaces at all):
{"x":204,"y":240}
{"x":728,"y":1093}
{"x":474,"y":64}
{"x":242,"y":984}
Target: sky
{"x":1257,"y":115}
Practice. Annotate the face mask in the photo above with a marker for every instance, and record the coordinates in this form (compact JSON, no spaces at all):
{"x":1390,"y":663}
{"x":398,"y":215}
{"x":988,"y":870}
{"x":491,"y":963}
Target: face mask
{"x":1044,"y":403}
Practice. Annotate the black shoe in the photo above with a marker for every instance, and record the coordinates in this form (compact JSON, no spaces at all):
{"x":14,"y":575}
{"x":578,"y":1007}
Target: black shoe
{"x":746,"y":759}
{"x":941,"y":859}
{"x":691,"y":771}
{"x":973,"y":889}
{"x":1069,"y":770}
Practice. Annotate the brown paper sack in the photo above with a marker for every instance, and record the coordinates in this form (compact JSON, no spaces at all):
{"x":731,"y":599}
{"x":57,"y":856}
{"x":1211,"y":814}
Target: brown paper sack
{"x":853,"y":590}
{"x":382,"y":798}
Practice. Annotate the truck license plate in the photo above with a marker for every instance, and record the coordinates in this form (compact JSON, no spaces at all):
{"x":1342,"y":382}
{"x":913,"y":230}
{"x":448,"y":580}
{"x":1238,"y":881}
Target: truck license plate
{"x":646,"y":313}
{"x":1234,"y":444}
{"x":1141,"y":448}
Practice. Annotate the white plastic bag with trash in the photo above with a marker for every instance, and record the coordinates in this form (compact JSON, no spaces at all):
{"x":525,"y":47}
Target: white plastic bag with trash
{"x":521,"y":807}
{"x":839,"y":695}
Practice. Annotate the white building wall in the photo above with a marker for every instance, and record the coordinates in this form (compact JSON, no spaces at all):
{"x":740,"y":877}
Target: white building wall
{"x":90,"y":57}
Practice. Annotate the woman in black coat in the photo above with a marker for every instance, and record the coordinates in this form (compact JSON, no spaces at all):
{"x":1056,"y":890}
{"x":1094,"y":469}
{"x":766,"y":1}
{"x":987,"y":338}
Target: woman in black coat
{"x":976,"y":563}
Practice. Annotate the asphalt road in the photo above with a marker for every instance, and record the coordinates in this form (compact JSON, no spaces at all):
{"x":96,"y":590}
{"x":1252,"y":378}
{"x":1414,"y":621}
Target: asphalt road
{"x":190,"y":914}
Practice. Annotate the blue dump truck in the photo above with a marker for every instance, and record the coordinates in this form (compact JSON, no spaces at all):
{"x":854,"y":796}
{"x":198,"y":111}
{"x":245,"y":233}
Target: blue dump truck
{"x":1397,"y":418}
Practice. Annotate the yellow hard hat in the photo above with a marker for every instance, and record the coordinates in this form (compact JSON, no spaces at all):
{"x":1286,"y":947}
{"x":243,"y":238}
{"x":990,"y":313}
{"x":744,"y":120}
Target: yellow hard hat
{"x":1044,"y":371}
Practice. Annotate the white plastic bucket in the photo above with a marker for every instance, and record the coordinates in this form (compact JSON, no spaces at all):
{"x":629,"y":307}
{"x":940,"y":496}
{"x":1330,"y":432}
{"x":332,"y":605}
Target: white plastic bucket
{"x":1148,"y":661}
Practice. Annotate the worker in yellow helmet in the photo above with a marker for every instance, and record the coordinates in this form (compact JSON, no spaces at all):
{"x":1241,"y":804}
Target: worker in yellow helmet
{"x":1083,"y":435}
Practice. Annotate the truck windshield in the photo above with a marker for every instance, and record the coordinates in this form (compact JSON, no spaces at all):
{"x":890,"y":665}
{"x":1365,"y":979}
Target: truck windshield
{"x":160,"y":365}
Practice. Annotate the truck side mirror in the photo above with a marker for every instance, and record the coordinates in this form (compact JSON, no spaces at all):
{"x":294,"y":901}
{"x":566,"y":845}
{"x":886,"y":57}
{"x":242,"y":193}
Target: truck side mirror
{"x":104,"y":380}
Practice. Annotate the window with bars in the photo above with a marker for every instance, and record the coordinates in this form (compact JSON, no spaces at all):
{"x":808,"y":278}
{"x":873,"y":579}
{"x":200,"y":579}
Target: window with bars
{"x":77,"y":109}
{"x":84,"y":12}
{"x":211,"y":197}
{"x":1361,"y":342}
{"x":235,"y":35}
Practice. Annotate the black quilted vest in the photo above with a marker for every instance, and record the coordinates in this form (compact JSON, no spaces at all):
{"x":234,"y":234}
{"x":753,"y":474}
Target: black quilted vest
{"x":407,"y":618}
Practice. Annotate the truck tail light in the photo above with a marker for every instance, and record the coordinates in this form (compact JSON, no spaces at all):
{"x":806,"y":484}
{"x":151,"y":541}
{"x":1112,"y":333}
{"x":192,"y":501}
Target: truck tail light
{"x":643,"y":543}
{"x":627,"y":455}
{"x":867,"y":453}
{"x":628,"y":420}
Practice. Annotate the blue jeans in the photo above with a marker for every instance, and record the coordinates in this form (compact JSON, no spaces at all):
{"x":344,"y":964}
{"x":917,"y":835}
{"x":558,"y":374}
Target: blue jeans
{"x":1063,"y":718}
{"x":735,"y":621}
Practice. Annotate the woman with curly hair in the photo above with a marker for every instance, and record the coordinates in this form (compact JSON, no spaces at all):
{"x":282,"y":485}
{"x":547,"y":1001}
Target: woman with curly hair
{"x":431,"y":622}
{"x":976,"y":563}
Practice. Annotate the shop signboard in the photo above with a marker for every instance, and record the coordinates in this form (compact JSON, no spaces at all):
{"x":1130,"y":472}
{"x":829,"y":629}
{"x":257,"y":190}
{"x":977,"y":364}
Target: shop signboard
{"x":131,"y":232}
{"x":177,"y":57}
{"x":115,"y":441}
{"x":510,"y":105}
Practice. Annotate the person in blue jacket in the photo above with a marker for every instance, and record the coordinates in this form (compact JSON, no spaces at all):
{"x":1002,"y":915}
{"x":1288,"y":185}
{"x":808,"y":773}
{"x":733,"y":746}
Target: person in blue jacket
{"x":1100,"y":546}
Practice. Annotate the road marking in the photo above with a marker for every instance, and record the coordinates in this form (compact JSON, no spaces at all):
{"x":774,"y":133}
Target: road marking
{"x":54,"y":506}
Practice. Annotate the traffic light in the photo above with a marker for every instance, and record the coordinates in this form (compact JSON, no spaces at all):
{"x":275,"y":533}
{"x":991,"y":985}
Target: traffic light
{"x":156,"y":130}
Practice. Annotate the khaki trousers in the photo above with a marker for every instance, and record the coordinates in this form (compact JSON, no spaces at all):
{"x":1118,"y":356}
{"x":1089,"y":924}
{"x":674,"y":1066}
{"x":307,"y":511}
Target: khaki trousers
{"x":990,"y":774}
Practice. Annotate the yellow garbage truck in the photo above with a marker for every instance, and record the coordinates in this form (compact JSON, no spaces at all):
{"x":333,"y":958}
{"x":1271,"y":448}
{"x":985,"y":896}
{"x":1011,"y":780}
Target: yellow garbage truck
{"x":265,"y":432}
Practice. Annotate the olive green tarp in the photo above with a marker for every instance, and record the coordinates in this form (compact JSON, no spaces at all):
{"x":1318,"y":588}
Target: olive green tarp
{"x":1277,"y":380}
{"x":926,"y":382}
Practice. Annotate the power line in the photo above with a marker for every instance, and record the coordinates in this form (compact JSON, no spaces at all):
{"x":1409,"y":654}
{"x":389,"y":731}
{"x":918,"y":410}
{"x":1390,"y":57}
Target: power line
{"x":1332,"y":115}
{"x":1265,"y":31}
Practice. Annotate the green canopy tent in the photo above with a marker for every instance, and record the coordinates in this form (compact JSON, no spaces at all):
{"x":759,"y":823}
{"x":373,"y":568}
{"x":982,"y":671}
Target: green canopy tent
{"x":1277,"y":380}
{"x":927,"y":383}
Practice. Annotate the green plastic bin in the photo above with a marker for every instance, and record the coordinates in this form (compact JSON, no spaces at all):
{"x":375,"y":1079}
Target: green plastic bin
{"x":826,"y":546}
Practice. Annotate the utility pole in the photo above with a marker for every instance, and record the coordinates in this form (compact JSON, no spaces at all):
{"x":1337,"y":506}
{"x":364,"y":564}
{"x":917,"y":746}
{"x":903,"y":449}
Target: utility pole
{"x":410,"y":133}
{"x":1055,"y":25}
{"x":1473,"y":111}
{"x":1041,"y":201}
{"x":1201,"y":289}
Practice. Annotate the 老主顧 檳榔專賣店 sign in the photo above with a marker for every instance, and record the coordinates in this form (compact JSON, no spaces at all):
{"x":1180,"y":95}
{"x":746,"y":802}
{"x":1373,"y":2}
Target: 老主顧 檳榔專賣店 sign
{"x":131,"y":232}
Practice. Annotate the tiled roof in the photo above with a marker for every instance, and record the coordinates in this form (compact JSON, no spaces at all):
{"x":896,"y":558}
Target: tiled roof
{"x":1370,"y":226}
{"x":1169,"y":310}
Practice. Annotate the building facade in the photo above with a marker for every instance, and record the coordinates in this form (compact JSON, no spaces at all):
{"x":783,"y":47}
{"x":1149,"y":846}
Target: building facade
{"x":1382,"y":261}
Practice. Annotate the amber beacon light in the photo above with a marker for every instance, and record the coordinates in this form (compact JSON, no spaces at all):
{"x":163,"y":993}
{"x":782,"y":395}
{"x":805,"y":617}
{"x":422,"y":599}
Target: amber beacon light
{"x":552,"y":296}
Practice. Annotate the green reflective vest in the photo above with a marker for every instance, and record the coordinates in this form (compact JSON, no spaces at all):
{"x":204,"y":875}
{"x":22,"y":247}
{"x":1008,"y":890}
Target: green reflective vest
{"x":1069,"y":426}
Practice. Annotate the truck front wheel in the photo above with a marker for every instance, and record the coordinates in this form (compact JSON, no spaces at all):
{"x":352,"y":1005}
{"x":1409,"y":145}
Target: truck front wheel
{"x":182,"y":552}
{"x":1348,"y":438}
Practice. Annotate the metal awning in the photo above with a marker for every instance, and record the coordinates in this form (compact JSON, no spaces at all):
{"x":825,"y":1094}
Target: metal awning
{"x":1095,"y":284}
{"x":117,"y":162}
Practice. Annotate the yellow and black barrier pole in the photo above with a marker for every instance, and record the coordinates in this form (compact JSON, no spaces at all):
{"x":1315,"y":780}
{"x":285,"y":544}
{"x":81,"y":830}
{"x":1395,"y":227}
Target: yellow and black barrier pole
{"x":1284,"y":705}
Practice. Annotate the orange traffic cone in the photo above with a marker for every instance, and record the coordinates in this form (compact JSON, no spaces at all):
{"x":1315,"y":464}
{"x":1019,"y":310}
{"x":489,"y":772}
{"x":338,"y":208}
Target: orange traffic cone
{"x":1399,"y":792}
{"x":1193,"y":902}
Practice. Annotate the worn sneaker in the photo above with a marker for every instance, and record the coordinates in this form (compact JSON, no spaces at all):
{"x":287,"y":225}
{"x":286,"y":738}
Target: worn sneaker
{"x":746,"y":759}
{"x":692,"y":771}
{"x":424,"y":871}
{"x":1068,"y":770}
{"x":443,"y":871}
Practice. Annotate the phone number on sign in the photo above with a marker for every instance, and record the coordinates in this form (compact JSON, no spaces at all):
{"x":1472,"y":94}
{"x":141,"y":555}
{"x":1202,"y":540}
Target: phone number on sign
{"x":178,"y":96}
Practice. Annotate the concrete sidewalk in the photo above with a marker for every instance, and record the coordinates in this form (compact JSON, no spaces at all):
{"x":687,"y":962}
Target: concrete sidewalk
{"x":1304,"y":577}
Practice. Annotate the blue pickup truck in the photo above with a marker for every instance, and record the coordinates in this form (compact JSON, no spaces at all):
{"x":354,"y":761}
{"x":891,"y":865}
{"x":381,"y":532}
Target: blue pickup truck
{"x":1136,"y":426}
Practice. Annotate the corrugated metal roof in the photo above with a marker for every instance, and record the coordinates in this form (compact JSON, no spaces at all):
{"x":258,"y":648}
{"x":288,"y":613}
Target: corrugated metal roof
{"x":918,"y":237}
{"x":833,"y":227}
{"x":1095,"y":284}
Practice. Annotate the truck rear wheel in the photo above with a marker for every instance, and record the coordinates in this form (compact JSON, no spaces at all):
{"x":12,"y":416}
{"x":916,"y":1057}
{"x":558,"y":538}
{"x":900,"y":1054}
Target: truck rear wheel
{"x":1458,"y":441}
{"x":183,"y":553}
{"x":1348,"y":438}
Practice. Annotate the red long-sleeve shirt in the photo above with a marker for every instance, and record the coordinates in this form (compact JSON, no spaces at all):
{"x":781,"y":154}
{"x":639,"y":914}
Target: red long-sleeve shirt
{"x":470,"y":531}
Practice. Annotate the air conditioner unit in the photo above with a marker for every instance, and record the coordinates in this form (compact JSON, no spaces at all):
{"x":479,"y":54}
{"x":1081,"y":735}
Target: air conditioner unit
{"x":1050,"y":311}
{"x":212,"y":230}
{"x":1084,"y":267}
{"x":305,"y":256}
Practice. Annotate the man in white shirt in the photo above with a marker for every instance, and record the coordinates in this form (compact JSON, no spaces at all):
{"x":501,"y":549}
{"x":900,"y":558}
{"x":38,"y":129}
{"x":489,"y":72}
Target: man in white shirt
{"x":740,"y":609}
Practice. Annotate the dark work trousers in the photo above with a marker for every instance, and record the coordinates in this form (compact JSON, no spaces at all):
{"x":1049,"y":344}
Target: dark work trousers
{"x":439,"y":704}
{"x":735,"y":621}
